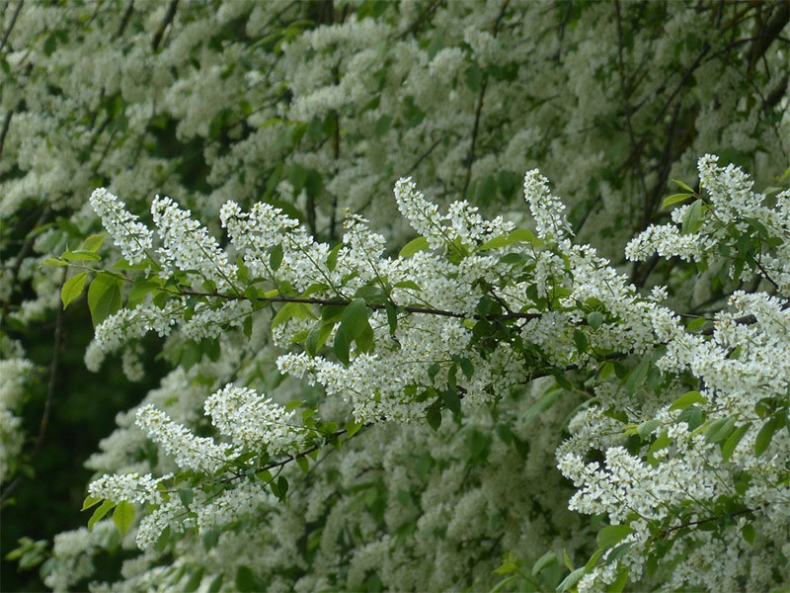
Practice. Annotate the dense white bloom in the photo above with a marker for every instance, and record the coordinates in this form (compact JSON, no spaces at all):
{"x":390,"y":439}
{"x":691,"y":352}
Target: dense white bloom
{"x":254,"y":421}
{"x":198,"y":453}
{"x":188,"y":246}
{"x":130,"y":235}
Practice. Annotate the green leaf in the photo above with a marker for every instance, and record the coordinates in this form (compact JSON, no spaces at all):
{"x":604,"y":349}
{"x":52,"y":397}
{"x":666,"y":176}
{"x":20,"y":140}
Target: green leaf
{"x":620,"y":582}
{"x":186,"y":496}
{"x":104,"y":297}
{"x":276,"y":257}
{"x":341,"y":346}
{"x":728,"y":448}
{"x":747,"y":531}
{"x":695,"y":324}
{"x":392,"y":317}
{"x":81,"y":256}
{"x":687,"y":399}
{"x":352,"y":428}
{"x":691,"y":416}
{"x":195,"y":578}
{"x":72,"y":288}
{"x":89,"y":502}
{"x":140,"y":289}
{"x":123,"y":516}
{"x":288,"y":311}
{"x":413,"y":246}
{"x":765,"y":436}
{"x":548,"y":559}
{"x":216,"y":584}
{"x":682,"y":185}
{"x":611,"y":535}
{"x":303,"y":463}
{"x":514,"y":236}
{"x":646,"y":428}
{"x":467,"y":368}
{"x":52,"y":261}
{"x":674,"y":199}
{"x":354,"y":320}
{"x":317,"y":337}
{"x":434,"y":418}
{"x":595,"y":319}
{"x":637,"y":377}
{"x":580,"y":339}
{"x":661,"y":442}
{"x":331,"y":260}
{"x":571,"y":580}
{"x":245,"y":580}
{"x":382,"y":125}
{"x":93,"y":243}
{"x":408,"y":284}
{"x":451,"y":400}
{"x":720,"y":429}
{"x":567,"y":559}
{"x":99,"y":513}
{"x":543,"y":403}
{"x":692,"y":219}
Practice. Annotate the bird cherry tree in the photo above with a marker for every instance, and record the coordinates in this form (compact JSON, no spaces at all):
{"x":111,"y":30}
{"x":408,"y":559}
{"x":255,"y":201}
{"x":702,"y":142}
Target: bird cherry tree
{"x":332,"y":389}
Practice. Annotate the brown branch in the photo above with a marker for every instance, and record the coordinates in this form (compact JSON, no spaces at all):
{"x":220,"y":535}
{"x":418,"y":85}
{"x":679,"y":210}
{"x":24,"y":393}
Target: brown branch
{"x":625,"y":92}
{"x":127,"y":14}
{"x":470,"y":158}
{"x":4,"y":131}
{"x":169,"y":16}
{"x":11,"y":24}
{"x":420,"y":20}
{"x":770,"y":33}
{"x":345,"y":302}
{"x":666,"y":532}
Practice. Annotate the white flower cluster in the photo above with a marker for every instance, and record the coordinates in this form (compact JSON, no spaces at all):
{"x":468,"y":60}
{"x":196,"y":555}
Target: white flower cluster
{"x":462,"y":222}
{"x":734,"y":213}
{"x":188,"y":246}
{"x":201,"y":454}
{"x":129,"y":487}
{"x":254,"y":421}
{"x":547,"y":210}
{"x":129,"y":324}
{"x":130,"y":235}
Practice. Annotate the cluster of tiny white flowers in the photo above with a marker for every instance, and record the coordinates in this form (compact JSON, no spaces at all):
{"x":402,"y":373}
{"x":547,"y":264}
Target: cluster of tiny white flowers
{"x":129,"y":324}
{"x":423,"y":215}
{"x":210,"y":320}
{"x":129,"y":487}
{"x":547,"y":210}
{"x":254,"y":420}
{"x":188,"y":245}
{"x":667,"y":241}
{"x":199,"y":453}
{"x":131,"y":236}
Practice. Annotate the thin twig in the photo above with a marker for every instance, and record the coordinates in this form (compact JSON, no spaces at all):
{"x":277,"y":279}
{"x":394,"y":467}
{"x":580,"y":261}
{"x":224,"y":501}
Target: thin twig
{"x":419,"y":21}
{"x":127,"y":14}
{"x":11,"y":24}
{"x":374,"y":306}
{"x":4,"y":131}
{"x":470,"y":158}
{"x":171,"y":13}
